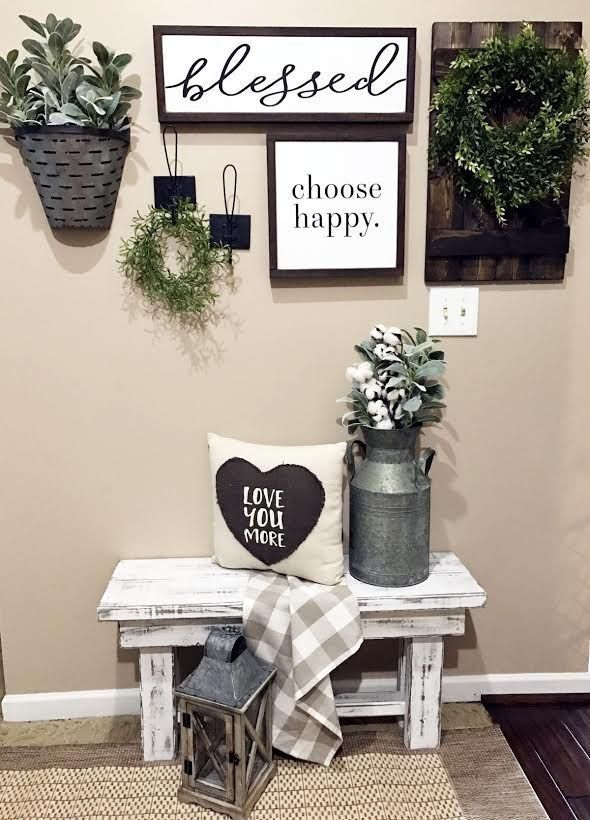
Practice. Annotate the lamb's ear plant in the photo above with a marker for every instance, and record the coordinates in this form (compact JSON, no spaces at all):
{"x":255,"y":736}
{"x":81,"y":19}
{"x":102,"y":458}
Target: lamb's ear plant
{"x":396,"y":385}
{"x":53,"y":85}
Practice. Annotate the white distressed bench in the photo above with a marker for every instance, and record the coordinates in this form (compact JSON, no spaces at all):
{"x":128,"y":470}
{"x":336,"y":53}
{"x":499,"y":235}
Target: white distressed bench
{"x":164,"y":603}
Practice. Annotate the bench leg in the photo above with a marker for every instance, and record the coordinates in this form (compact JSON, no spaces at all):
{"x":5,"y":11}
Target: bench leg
{"x":158,"y":730}
{"x":423,"y":660}
{"x":401,"y":674}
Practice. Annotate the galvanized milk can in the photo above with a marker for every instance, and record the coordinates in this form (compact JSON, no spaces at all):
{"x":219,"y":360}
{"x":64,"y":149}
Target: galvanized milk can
{"x":389,"y":508}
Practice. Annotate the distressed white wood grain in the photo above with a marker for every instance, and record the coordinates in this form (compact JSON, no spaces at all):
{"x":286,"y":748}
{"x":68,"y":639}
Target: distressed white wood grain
{"x":164,"y":603}
{"x":369,"y":704}
{"x":396,"y":625}
{"x":159,"y":589}
{"x":136,"y":634}
{"x":157,"y":703}
{"x":185,"y":632}
{"x":423,"y":671}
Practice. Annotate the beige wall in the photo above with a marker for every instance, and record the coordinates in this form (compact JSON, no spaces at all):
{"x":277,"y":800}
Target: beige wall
{"x":105,"y":412}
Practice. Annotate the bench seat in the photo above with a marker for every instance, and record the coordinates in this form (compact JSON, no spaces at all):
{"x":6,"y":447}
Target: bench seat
{"x":163,"y":603}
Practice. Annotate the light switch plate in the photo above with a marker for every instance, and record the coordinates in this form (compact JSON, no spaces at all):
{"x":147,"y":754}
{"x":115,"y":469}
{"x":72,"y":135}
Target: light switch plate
{"x":453,"y":311}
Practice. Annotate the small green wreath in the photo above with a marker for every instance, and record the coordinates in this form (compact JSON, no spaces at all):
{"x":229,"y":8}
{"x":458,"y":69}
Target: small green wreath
{"x":512,"y":119}
{"x":189,"y":292}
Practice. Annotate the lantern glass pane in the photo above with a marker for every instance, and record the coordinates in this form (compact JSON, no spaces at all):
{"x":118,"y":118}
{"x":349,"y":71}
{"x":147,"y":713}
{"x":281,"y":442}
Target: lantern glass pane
{"x":210,"y":750}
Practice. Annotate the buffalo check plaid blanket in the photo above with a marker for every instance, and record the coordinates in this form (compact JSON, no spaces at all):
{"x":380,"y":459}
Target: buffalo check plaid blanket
{"x":306,"y":630}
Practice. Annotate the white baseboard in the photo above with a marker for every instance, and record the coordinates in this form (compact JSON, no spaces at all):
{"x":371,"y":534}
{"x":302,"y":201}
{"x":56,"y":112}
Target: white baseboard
{"x":63,"y":705}
{"x":470,"y":688}
{"x":456,"y":689}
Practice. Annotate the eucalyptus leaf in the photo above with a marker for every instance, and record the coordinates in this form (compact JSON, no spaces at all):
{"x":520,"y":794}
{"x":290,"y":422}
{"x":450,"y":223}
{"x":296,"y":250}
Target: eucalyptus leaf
{"x":111,"y":77}
{"x":102,"y":55}
{"x":435,"y":391}
{"x":33,"y":24}
{"x":64,"y":29}
{"x":51,"y":22}
{"x":50,"y":76}
{"x":130,"y":93}
{"x":57,"y":118}
{"x":74,"y":31}
{"x":33,"y":47}
{"x":56,"y":44}
{"x":122,"y":60}
{"x":365,"y":351}
{"x":72,"y":110}
{"x":430,"y":370}
{"x":12,"y":57}
{"x":412,"y":404}
{"x":22,"y":84}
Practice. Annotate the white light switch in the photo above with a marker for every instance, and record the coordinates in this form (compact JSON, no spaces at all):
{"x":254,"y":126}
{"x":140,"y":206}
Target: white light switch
{"x":453,"y":311}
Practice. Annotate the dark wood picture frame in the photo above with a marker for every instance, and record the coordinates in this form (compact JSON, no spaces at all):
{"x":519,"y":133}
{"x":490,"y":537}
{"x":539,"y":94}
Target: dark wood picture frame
{"x":328,"y":135}
{"x":180,"y":117}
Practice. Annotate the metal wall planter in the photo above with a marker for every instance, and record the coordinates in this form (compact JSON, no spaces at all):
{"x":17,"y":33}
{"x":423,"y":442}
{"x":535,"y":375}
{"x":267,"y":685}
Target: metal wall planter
{"x":77,"y":172}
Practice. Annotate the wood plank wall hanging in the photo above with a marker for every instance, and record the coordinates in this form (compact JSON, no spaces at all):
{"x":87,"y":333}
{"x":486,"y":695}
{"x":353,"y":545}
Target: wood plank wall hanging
{"x":460,"y":247}
{"x":272,"y":75}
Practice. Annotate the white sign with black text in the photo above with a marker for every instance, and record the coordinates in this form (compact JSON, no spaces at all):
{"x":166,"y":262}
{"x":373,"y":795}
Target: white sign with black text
{"x":255,"y":74}
{"x":336,"y":206}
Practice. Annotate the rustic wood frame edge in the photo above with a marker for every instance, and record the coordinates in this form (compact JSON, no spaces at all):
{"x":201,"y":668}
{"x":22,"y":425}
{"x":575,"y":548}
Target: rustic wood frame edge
{"x":182,"y":117}
{"x":328,"y":135}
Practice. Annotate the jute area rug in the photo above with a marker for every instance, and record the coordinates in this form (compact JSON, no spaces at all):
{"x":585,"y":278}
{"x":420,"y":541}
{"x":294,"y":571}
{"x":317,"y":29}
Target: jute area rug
{"x":472,"y":777}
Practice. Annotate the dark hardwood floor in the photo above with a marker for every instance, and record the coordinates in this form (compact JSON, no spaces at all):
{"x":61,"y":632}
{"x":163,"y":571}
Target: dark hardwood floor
{"x":552,"y":744}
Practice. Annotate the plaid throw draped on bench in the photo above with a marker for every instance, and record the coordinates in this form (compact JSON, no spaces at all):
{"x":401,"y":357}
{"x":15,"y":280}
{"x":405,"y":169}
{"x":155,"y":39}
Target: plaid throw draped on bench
{"x":306,"y":630}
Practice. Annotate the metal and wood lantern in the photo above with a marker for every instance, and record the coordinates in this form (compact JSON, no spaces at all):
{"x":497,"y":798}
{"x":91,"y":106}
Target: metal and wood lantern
{"x":225,"y":716}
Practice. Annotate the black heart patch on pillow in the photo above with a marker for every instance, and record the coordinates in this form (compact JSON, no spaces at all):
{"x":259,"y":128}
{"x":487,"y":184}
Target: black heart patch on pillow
{"x":269,"y":513}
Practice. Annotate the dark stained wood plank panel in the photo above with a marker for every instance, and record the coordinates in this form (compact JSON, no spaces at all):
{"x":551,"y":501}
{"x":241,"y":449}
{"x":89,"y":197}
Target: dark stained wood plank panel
{"x":444,"y":210}
{"x":479,"y":268}
{"x":447,"y":211}
{"x":499,"y":242}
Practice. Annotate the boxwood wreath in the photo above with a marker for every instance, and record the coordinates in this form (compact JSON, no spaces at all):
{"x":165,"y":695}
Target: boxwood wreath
{"x":189,"y":292}
{"x":512,"y":119}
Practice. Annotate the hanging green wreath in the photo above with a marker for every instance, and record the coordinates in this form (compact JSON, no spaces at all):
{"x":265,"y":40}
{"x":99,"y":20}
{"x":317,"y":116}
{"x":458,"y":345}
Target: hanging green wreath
{"x":183,"y":234}
{"x":512,"y":119}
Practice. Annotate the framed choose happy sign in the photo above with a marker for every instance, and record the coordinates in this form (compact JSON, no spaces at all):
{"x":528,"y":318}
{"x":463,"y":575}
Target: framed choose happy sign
{"x":336,"y":204}
{"x":231,"y":74}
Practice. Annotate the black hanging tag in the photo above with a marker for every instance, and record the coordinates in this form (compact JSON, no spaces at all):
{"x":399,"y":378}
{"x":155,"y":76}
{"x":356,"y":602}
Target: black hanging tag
{"x":230,"y":229}
{"x":168,"y":189}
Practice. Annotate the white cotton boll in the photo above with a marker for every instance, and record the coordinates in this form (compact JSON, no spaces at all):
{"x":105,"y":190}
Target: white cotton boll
{"x":372,"y":389}
{"x":366,"y":371}
{"x":392,"y":336}
{"x":385,"y":353}
{"x":351,"y":374}
{"x":377,"y":410}
{"x":393,"y":396}
{"x":398,"y":412}
{"x":377,"y":332}
{"x":384,"y":424}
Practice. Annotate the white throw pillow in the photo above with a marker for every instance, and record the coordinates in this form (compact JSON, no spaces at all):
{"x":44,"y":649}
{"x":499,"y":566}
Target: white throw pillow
{"x":278,"y":508}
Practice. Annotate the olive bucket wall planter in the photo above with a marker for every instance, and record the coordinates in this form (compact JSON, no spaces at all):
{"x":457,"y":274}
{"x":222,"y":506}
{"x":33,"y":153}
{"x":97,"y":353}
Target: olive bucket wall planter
{"x":77,"y":171}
